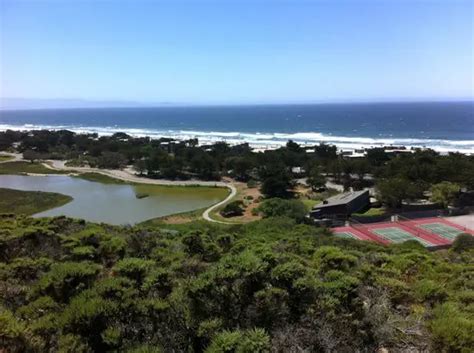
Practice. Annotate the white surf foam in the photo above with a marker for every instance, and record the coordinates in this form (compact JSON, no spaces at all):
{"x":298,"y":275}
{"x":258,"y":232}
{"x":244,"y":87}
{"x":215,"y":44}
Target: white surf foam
{"x":264,"y":140}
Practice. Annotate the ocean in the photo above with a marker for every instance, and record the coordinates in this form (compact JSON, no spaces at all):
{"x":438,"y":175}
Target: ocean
{"x":442,"y":126}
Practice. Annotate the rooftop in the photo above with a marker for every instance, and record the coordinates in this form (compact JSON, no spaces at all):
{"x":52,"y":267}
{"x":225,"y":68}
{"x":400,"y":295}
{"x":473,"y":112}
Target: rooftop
{"x":341,"y":199}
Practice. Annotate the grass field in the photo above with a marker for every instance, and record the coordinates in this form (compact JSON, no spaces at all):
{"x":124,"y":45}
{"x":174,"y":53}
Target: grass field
{"x":26,"y":167}
{"x":30,"y":202}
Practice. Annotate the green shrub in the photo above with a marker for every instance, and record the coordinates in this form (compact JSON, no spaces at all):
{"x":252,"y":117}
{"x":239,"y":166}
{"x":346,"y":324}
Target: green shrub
{"x":429,"y":290}
{"x":333,"y":258}
{"x":233,"y":209}
{"x":134,"y":268}
{"x":253,"y":341}
{"x":293,"y":209}
{"x":15,"y":334}
{"x":463,"y":242}
{"x":452,"y":329}
{"x":66,"y":279}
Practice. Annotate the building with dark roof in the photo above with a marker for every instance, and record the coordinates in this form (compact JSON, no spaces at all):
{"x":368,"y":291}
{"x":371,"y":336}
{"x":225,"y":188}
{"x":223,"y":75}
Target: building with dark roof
{"x":342,"y":205}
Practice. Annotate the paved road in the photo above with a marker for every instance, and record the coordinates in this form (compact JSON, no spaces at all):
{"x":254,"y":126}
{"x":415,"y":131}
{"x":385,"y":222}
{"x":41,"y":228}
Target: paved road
{"x":205,"y":215}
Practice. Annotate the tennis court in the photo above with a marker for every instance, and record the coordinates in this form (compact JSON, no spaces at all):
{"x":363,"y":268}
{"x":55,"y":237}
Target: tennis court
{"x":443,"y":230}
{"x":345,"y":235}
{"x":430,"y":231}
{"x":397,"y":235}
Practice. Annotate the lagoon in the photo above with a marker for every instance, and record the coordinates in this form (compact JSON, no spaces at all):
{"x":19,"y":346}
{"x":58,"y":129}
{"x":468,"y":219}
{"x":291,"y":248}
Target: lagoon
{"x":115,"y":203}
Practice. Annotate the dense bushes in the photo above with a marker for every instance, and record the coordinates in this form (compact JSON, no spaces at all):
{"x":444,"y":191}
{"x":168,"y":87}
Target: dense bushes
{"x":276,"y":207}
{"x":233,"y":209}
{"x":268,"y":286}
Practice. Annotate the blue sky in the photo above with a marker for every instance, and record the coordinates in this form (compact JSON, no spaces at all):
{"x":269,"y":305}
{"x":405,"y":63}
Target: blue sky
{"x":237,"y":51}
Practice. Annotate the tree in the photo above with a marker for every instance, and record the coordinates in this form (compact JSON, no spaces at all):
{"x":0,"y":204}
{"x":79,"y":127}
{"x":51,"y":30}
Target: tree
{"x":276,"y":181}
{"x":315,"y":179}
{"x":276,"y":207}
{"x":241,"y":167}
{"x":325,"y":152}
{"x":276,"y":186}
{"x":361,"y":167}
{"x":140,"y":166}
{"x":393,"y":191}
{"x":377,"y":156}
{"x":444,"y":193}
{"x":111,"y":160}
{"x":31,"y":155}
{"x":233,"y":209}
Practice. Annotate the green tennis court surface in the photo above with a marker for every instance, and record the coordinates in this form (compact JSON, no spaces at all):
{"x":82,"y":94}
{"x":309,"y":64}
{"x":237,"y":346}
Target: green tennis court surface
{"x":442,"y":230}
{"x":396,"y":235}
{"x":346,"y":235}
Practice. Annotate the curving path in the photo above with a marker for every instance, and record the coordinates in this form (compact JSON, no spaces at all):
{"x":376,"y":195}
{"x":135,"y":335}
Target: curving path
{"x":205,"y":215}
{"x":128,"y":175}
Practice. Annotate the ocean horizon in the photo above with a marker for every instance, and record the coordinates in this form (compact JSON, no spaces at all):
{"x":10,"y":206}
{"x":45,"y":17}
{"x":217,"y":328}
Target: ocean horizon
{"x":442,"y":126}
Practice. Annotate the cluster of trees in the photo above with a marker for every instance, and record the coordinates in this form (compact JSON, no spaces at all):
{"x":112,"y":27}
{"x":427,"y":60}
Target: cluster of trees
{"x":269,"y":286}
{"x":397,"y":176}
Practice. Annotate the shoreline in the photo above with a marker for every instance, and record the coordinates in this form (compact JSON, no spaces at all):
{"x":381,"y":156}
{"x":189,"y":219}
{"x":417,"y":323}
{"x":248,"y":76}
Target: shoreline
{"x":262,"y":141}
{"x":127,"y":176}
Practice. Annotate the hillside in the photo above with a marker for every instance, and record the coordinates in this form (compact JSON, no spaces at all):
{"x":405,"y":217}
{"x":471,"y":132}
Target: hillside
{"x":269,"y":286}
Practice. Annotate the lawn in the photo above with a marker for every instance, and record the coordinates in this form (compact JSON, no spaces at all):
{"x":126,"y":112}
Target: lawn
{"x":30,"y":202}
{"x":26,"y":167}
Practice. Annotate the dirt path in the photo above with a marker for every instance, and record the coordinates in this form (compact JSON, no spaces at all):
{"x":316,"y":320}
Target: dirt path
{"x":128,"y":175}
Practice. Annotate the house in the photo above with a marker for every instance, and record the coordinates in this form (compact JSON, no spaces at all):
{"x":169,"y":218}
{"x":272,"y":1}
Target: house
{"x":341,"y":205}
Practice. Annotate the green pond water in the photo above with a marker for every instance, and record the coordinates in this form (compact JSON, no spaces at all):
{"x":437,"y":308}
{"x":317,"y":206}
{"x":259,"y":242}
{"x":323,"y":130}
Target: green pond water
{"x":115,"y":203}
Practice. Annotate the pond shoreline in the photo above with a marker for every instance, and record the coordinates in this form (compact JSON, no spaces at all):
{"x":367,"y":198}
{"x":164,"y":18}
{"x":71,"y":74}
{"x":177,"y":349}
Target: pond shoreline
{"x":115,"y":203}
{"x":128,"y":176}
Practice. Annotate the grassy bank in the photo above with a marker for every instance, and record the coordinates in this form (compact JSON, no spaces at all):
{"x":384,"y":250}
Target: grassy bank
{"x":372,"y":212}
{"x":100,"y":178}
{"x":4,"y":158}
{"x":30,"y":202}
{"x":177,"y":218}
{"x":27,"y":167}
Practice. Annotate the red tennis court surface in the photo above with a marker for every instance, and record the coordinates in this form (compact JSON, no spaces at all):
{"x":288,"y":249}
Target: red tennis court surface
{"x":428,"y":231}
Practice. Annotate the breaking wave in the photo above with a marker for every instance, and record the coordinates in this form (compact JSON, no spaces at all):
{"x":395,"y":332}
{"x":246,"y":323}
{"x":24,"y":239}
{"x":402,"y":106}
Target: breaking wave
{"x":264,"y":140}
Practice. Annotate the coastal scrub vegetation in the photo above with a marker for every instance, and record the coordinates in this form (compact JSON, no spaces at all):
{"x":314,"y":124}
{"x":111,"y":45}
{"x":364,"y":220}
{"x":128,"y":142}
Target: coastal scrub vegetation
{"x":268,"y":286}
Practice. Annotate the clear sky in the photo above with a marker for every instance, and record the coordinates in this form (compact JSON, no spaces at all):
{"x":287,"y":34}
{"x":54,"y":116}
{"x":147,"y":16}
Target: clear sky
{"x":237,"y":51}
